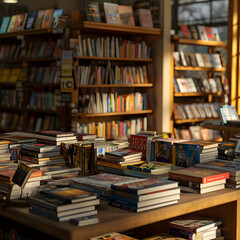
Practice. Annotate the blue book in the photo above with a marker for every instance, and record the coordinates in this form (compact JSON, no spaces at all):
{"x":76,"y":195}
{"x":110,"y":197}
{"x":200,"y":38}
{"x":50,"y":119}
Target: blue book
{"x":144,"y":186}
{"x":56,"y":14}
{"x":4,"y":25}
{"x":186,"y":155}
{"x":30,"y":20}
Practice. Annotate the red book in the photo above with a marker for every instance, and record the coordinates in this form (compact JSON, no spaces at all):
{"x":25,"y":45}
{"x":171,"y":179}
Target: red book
{"x":185,"y":31}
{"x":197,"y":175}
{"x":139,"y":143}
{"x":209,"y":33}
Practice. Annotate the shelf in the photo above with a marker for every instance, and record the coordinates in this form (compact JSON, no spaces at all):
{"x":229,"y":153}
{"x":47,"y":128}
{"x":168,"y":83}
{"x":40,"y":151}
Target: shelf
{"x":222,"y":204}
{"x":43,"y":59}
{"x":197,"y":94}
{"x":41,"y":111}
{"x":144,"y":85}
{"x":182,"y":121}
{"x":83,"y":115}
{"x":35,"y":84}
{"x":31,"y":32}
{"x":190,"y":68}
{"x":179,"y":40}
{"x":10,"y":109}
{"x":7,"y":84}
{"x":116,"y":59}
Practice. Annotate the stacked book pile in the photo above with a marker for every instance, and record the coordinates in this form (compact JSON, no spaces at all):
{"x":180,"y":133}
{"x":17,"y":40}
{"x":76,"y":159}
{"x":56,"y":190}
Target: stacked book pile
{"x":112,"y":236}
{"x":5,"y":155}
{"x":41,"y":154}
{"x":225,"y":150}
{"x":199,"y":228}
{"x":222,"y":165}
{"x":152,"y":169}
{"x":63,"y":204}
{"x":117,"y":161}
{"x":144,"y":194}
{"x":199,"y":180}
{"x":12,"y":190}
{"x":99,"y":183}
{"x":164,"y":236}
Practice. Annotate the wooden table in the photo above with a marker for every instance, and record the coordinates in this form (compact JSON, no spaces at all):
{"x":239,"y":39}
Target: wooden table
{"x":222,"y":204}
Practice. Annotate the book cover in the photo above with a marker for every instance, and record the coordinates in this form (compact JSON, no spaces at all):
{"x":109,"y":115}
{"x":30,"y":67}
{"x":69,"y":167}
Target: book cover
{"x":47,"y":18}
{"x":30,"y":20}
{"x":195,"y":132}
{"x":4,"y":25}
{"x":124,"y":153}
{"x":18,"y":26}
{"x":194,"y":32}
{"x":145,"y":18}
{"x":202,"y":32}
{"x":198,"y":174}
{"x":38,"y":19}
{"x":11,"y":23}
{"x":83,"y":221}
{"x":126,"y":15}
{"x":209,"y":33}
{"x":111,"y":13}
{"x":185,"y":31}
{"x":216,"y":34}
{"x":40,"y":147}
{"x":56,"y":14}
{"x":93,"y":12}
{"x":54,"y":133}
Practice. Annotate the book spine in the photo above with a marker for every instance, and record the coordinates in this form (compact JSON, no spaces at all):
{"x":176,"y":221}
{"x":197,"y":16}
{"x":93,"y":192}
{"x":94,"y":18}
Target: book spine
{"x":123,"y":206}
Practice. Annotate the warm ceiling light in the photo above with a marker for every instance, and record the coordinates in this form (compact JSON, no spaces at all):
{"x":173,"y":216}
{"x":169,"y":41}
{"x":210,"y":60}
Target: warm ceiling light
{"x":10,"y":1}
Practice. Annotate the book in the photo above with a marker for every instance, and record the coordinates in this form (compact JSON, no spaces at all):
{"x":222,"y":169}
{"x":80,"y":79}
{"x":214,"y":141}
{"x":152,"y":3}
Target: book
{"x":215,"y":34}
{"x":126,"y":15}
{"x":19,"y":22}
{"x":185,"y":31}
{"x":93,"y":12}
{"x":56,"y":134}
{"x":47,"y":18}
{"x":40,"y":147}
{"x":198,"y":175}
{"x":202,"y":32}
{"x":145,"y":18}
{"x":195,"y":132}
{"x":194,"y":32}
{"x":4,"y":25}
{"x":142,"y":186}
{"x":83,"y":221}
{"x":30,"y":20}
{"x":18,"y":139}
{"x":164,"y":236}
{"x":11,"y":23}
{"x":209,"y":33}
{"x":111,"y":13}
{"x":39,"y":19}
{"x":55,"y":17}
{"x":124,"y":153}
{"x":112,"y":236}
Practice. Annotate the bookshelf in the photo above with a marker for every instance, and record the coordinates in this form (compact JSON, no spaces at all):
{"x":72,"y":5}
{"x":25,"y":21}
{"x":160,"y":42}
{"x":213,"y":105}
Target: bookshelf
{"x":187,"y":98}
{"x":32,"y":52}
{"x":121,"y":85}
{"x":222,"y":205}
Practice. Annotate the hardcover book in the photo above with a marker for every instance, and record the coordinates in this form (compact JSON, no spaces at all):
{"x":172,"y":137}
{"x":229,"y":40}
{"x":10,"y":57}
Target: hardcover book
{"x":19,"y":22}
{"x":38,"y":20}
{"x":111,"y":13}
{"x":124,"y":153}
{"x":126,"y":15}
{"x":40,"y":147}
{"x":145,"y":18}
{"x":47,"y":18}
{"x":30,"y":20}
{"x":56,"y":14}
{"x":4,"y":25}
{"x":209,"y":33}
{"x":93,"y":12}
{"x":194,"y":32}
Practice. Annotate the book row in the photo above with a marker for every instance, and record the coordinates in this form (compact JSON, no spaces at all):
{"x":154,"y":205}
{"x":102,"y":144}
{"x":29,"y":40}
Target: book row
{"x":198,"y":133}
{"x":35,"y":20}
{"x":43,"y":100}
{"x":112,"y":102}
{"x":34,"y":74}
{"x":196,"y":110}
{"x":10,"y":98}
{"x":200,"y":32}
{"x":114,"y":47}
{"x":197,"y":59}
{"x":30,"y":50}
{"x":200,"y":85}
{"x":89,"y":75}
{"x":113,"y":129}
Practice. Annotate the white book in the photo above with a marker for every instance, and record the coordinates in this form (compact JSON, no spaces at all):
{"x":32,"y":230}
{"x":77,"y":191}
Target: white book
{"x":89,"y":47}
{"x":200,"y":61}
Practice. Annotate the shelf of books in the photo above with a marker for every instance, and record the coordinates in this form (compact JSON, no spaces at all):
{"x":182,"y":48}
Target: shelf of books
{"x":113,"y":70}
{"x":198,"y":79}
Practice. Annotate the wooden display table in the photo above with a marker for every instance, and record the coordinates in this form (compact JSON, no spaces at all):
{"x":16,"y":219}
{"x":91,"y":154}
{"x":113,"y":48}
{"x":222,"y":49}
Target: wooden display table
{"x":223,"y":205}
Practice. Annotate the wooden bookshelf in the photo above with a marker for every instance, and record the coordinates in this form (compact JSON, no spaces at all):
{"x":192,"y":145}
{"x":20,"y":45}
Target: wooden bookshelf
{"x":39,"y":110}
{"x":193,"y":120}
{"x":39,"y":85}
{"x":143,"y":85}
{"x":15,"y":61}
{"x":222,"y":204}
{"x":187,"y":68}
{"x":84,"y":115}
{"x":197,"y":94}
{"x":10,"y":109}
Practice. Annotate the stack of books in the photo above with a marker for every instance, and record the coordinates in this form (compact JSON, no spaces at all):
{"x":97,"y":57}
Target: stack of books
{"x":164,"y":236}
{"x":222,"y":165}
{"x":55,"y":137}
{"x":225,"y":150}
{"x":99,"y":183}
{"x":144,"y":194}
{"x":113,"y":235}
{"x":5,"y":155}
{"x":198,"y":228}
{"x":199,"y":180}
{"x":63,"y":204}
{"x":41,"y":154}
{"x":117,"y":161}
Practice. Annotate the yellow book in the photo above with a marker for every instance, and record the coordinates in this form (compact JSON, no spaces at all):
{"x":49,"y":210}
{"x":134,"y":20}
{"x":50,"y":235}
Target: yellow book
{"x":104,"y":129}
{"x":14,"y":76}
{"x":131,"y":50}
{"x":5,"y":74}
{"x":98,"y":131}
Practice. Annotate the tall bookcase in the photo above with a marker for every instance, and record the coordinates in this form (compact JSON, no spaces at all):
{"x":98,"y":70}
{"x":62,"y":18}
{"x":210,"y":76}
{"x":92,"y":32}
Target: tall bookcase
{"x":196,"y":96}
{"x":103,"y":30}
{"x":18,"y":106}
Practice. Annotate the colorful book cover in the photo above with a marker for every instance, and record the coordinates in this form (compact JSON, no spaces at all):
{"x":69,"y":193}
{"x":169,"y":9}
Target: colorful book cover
{"x":12,"y":23}
{"x":55,"y":17}
{"x":30,"y":20}
{"x":164,"y":236}
{"x":18,"y":26}
{"x":111,"y":13}
{"x":145,"y":18}
{"x":124,"y":153}
{"x":40,"y":147}
{"x":209,"y":33}
{"x":4,"y":25}
{"x":198,"y":175}
{"x":126,"y":15}
{"x":38,"y":20}
{"x":47,"y":18}
{"x":185,"y":31}
{"x":93,"y":13}
{"x":186,"y":155}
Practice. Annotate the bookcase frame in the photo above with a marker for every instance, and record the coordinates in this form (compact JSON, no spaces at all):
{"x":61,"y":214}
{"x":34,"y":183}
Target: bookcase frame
{"x":175,"y":40}
{"x":129,"y":32}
